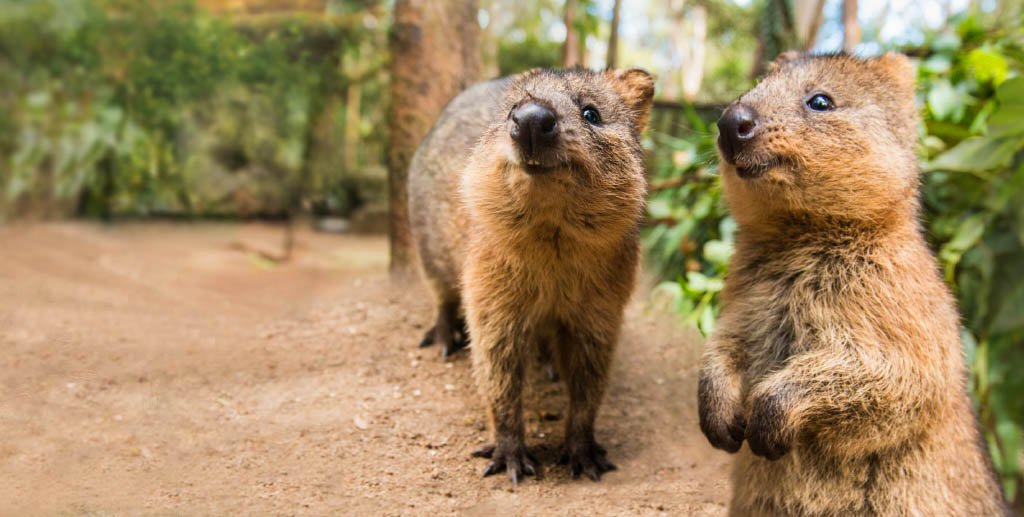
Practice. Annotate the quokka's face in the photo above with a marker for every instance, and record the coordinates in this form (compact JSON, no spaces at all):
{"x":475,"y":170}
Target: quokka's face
{"x":574,"y":122}
{"x":832,"y":134}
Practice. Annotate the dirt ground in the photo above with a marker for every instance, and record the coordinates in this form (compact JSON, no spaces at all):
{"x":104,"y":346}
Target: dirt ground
{"x":167,"y":369}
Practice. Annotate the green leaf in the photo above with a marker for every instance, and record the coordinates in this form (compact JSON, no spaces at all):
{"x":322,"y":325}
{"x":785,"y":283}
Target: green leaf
{"x":946,"y":42}
{"x":1008,"y":120}
{"x":976,"y":154}
{"x":707,"y":320}
{"x":937,"y":64}
{"x":1010,"y":93}
{"x":698,"y":282}
{"x":702,"y":207}
{"x":980,"y":122}
{"x":968,"y":233}
{"x":945,"y":101}
{"x":973,"y":277}
{"x":1009,"y":440}
{"x":970,"y":344}
{"x":659,"y":209}
{"x":1010,"y":317}
{"x":718,"y":252}
{"x":987,"y":65}
{"x":933,"y":144}
{"x":727,"y":228}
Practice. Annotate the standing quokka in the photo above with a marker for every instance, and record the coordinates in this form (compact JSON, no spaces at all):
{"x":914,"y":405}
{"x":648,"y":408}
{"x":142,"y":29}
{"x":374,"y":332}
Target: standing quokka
{"x":535,"y":231}
{"x":837,"y":355}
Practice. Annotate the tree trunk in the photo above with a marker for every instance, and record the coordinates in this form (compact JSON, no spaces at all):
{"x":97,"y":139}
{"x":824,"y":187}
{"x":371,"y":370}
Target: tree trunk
{"x":688,"y":34}
{"x":489,"y":41}
{"x":851,"y":29}
{"x":571,"y":49}
{"x":807,"y":18}
{"x":435,"y":54}
{"x":353,"y":119}
{"x":776,"y":34}
{"x":674,"y":75}
{"x":693,"y":48}
{"x":613,"y":38}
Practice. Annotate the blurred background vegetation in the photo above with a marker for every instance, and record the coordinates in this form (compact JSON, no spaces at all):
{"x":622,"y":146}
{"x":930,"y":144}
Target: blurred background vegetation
{"x":282,"y":109}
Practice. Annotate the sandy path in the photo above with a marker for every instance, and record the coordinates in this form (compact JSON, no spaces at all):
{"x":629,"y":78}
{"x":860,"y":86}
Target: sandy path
{"x":160,"y":369}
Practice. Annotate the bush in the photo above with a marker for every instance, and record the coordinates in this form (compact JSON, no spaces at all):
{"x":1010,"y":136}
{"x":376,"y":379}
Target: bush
{"x":974,"y":201}
{"x":121,"y":107}
{"x":690,"y":240}
{"x":519,"y":56}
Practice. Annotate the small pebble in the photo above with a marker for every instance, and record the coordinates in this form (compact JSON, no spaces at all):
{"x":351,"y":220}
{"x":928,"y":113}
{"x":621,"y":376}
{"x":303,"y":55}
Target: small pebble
{"x":361,"y":422}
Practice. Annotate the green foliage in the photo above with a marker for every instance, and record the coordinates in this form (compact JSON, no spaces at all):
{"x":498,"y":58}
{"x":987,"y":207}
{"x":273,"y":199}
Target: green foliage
{"x":972,"y":93}
{"x":777,"y":29}
{"x":123,"y":107}
{"x":519,"y":56}
{"x":973,"y":197}
{"x":732,"y":33}
{"x":692,"y":239}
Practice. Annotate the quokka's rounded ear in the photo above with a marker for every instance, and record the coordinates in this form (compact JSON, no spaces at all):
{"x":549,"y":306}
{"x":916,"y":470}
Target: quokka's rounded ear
{"x":782,"y":59}
{"x":899,"y":69}
{"x":636,"y":87}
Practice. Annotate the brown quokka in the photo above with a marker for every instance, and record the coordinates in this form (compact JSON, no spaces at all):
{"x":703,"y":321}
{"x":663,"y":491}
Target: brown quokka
{"x":536,"y":232}
{"x":837,"y":356}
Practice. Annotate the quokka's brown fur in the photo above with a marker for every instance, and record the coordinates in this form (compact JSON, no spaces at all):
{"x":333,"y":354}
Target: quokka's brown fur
{"x":837,"y":355}
{"x":542,"y":253}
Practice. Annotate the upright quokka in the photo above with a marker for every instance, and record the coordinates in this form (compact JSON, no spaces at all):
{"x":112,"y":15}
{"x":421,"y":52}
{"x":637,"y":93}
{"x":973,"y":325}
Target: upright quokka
{"x":837,"y":356}
{"x":536,"y":232}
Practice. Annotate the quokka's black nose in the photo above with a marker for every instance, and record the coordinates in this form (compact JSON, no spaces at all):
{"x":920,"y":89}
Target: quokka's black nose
{"x":738,"y":126}
{"x":534,"y":127}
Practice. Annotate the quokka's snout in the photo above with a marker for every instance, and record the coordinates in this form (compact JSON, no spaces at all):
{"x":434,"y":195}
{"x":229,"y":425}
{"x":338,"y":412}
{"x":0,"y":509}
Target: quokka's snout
{"x":534,"y":129}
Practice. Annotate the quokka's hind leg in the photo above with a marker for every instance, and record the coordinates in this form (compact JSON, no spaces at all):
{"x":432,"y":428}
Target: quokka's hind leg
{"x":447,"y":331}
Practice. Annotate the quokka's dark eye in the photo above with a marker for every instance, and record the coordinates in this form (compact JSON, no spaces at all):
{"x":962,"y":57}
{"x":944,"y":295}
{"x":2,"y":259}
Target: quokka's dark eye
{"x":821,"y":102}
{"x":591,"y":115}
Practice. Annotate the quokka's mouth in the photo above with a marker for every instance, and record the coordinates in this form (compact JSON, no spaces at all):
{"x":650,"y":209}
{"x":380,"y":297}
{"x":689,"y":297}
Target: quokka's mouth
{"x":747,"y":170}
{"x":538,"y":166}
{"x":748,"y":162}
{"x":751,"y":172}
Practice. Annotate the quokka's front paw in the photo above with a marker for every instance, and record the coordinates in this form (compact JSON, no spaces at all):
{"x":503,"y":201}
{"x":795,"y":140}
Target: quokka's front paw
{"x":767,"y":434}
{"x":513,"y":459}
{"x":721,"y":415}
